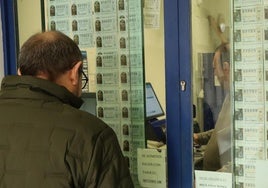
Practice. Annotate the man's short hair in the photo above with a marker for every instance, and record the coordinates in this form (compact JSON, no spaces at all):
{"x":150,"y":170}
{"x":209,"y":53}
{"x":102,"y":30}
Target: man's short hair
{"x":49,"y":52}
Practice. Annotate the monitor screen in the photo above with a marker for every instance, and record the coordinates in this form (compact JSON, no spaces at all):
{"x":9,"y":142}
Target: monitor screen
{"x":153,"y":107}
{"x":90,"y":102}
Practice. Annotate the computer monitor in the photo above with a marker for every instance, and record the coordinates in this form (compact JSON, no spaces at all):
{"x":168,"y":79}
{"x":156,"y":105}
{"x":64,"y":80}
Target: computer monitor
{"x":153,"y":107}
{"x":90,"y":103}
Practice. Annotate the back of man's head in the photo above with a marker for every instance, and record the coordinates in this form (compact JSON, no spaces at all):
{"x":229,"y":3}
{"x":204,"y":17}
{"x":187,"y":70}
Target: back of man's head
{"x":51,"y":53}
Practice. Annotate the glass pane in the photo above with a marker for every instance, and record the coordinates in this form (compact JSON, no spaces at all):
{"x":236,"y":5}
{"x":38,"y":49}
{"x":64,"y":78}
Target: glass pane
{"x":241,"y":108}
{"x":211,"y":85}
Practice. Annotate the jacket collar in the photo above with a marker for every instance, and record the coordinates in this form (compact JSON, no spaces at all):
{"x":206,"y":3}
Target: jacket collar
{"x":38,"y":88}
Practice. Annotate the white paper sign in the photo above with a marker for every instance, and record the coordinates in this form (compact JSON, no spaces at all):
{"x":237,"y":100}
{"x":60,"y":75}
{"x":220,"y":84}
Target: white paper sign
{"x":204,"y":179}
{"x":152,"y":168}
{"x":151,"y":13}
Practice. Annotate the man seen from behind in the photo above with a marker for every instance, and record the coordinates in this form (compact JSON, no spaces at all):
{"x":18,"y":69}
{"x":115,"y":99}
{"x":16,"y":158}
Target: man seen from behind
{"x":45,"y":140}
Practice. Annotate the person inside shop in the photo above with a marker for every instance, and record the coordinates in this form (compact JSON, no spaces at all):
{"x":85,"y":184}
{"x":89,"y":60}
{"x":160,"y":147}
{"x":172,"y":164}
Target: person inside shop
{"x":45,"y":140}
{"x":217,"y":154}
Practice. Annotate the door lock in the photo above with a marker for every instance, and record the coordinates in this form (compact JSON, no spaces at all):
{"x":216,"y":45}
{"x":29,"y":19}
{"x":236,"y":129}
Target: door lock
{"x":183,"y":85}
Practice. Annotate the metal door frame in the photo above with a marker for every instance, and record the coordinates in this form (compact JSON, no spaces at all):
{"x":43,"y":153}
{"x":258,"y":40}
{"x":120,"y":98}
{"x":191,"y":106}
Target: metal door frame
{"x":178,"y":101}
{"x":10,"y":35}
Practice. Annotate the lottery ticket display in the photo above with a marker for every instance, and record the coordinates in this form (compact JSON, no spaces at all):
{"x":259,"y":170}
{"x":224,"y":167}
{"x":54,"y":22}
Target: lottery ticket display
{"x":110,"y":35}
{"x":250,"y":63}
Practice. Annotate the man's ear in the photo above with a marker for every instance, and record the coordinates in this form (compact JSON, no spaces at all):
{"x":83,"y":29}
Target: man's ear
{"x":74,"y":73}
{"x":18,"y":72}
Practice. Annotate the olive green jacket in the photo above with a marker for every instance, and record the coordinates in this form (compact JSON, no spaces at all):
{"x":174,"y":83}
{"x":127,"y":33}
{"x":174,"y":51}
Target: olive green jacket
{"x":47,"y":142}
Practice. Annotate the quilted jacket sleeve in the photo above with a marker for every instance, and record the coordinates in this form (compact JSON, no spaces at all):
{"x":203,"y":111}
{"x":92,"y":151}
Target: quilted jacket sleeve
{"x":108,"y":167}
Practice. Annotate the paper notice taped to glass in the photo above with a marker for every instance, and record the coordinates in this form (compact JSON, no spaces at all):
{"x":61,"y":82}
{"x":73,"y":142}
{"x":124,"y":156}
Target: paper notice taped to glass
{"x":152,"y":168}
{"x":204,"y":179}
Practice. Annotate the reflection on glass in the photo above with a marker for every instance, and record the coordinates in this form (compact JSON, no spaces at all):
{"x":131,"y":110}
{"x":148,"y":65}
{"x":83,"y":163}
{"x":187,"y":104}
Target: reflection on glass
{"x":217,"y":139}
{"x":211,"y":57}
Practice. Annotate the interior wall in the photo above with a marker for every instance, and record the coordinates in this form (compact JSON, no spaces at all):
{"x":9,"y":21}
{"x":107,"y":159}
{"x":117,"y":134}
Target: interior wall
{"x":155,"y":59}
{"x":29,"y":18}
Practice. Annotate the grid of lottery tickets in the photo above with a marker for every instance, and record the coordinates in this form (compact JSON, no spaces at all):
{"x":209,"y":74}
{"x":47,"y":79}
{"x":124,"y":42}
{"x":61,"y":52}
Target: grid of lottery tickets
{"x":113,"y":28}
{"x":250,"y":62}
